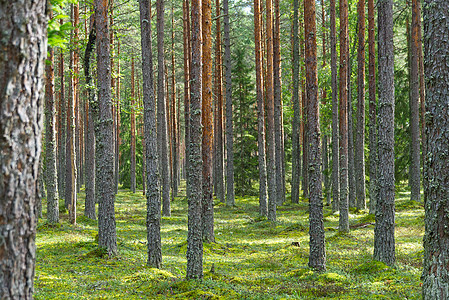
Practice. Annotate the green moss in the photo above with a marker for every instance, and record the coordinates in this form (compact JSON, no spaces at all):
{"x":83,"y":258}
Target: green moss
{"x":197,"y":294}
{"x":370,"y":267}
{"x":332,"y":278}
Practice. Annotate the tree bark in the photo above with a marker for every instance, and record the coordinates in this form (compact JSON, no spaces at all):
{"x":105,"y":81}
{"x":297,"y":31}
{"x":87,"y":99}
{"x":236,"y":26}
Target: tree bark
{"x":152,"y":173}
{"x":62,"y":119}
{"x":21,"y":108}
{"x":325,"y":137}
{"x":187,"y":66}
{"x":175,"y":146}
{"x":335,"y":127}
{"x":435,"y":274}
{"x":104,"y":162}
{"x":133,"y":128}
{"x":384,"y":248}
{"x":117,"y":130}
{"x":50,"y":142}
{"x":317,"y":257}
{"x":351,"y":172}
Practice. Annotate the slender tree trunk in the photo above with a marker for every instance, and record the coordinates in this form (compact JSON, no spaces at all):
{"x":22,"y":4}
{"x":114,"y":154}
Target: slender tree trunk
{"x":133,"y":128}
{"x":194,"y":189}
{"x":305,"y":172}
{"x":152,"y":173}
{"x":105,"y":161}
{"x":89,"y":206}
{"x":175,"y":146}
{"x":351,"y":172}
{"x":162,"y":113}
{"x":360,"y":130}
{"x":50,"y":142}
{"x":40,"y":190}
{"x":117,"y":130}
{"x":207,"y":123}
{"x":317,"y":257}
{"x":415,"y":164}
{"x":384,"y":248}
{"x":335,"y":113}
{"x":436,"y":253}
{"x":271,"y":152}
{"x":372,"y":108}
{"x":422,"y":90}
{"x":187,"y":66}
{"x":62,"y":119}
{"x":343,"y":117}
{"x":278,"y":105}
{"x":21,"y":93}
{"x":230,"y":196}
{"x":263,"y":208}
{"x":219,"y":145}
{"x":76,"y":99}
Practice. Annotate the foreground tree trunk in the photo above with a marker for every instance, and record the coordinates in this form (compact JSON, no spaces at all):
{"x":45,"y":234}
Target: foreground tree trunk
{"x":21,"y":83}
{"x":384,"y":248}
{"x":263,"y":208}
{"x":105,"y":161}
{"x":317,"y":257}
{"x":436,"y":253}
{"x":152,"y":173}
{"x":195,"y":178}
{"x":50,"y":143}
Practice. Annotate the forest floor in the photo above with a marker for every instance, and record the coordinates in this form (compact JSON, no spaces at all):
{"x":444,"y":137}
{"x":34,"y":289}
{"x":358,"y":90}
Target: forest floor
{"x":252,"y":258}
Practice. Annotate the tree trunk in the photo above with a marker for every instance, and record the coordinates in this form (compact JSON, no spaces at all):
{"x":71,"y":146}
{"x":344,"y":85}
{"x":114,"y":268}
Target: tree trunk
{"x":187,"y":66}
{"x":305,"y":172}
{"x":105,"y":161}
{"x":317,"y":257}
{"x":343,"y":117}
{"x":351,"y":172}
{"x":415,"y":164}
{"x":271,"y":152}
{"x":360,"y":130}
{"x":162,"y":113}
{"x":50,"y":142}
{"x":117,"y":130}
{"x":422,"y":89}
{"x":89,"y":207}
{"x":373,"y":155}
{"x":21,"y":90}
{"x":436,"y":253}
{"x":263,"y":208}
{"x":133,"y":128}
{"x":194,"y":188}
{"x":335,"y":127}
{"x":384,"y":248}
{"x":62,"y":119}
{"x":230,"y":196}
{"x":76,"y":99}
{"x":175,"y":146}
{"x":152,"y":173}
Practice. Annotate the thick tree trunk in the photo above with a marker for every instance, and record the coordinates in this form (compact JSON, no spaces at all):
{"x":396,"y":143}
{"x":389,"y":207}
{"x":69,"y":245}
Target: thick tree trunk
{"x":271,"y":152}
{"x":373,"y":155}
{"x":360,"y":130}
{"x":436,"y":253}
{"x":162,"y":131}
{"x":21,"y":107}
{"x":89,"y":206}
{"x":105,"y":160}
{"x":317,"y":257}
{"x":343,"y":118}
{"x":133,"y":128}
{"x":415,"y":164}
{"x":152,"y":173}
{"x":384,"y":248}
{"x":194,"y":188}
{"x":50,"y":142}
{"x":335,"y":127}
{"x":263,"y":208}
{"x":207,"y":123}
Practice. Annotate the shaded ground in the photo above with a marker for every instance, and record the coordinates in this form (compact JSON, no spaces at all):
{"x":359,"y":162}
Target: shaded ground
{"x":252,"y":259}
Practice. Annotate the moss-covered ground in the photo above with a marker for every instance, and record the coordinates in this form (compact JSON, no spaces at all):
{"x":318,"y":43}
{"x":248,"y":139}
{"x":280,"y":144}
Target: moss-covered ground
{"x":251,"y":259}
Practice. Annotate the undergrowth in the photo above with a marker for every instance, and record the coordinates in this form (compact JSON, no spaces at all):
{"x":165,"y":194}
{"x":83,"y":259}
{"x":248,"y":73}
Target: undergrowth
{"x":251,"y":259}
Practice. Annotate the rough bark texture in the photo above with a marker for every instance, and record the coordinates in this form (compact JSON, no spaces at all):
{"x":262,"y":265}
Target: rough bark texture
{"x":271,"y":159}
{"x":207,"y":122}
{"x":360,"y":130}
{"x":50,"y":142}
{"x":89,"y":204}
{"x":372,"y":109}
{"x":195,"y":178}
{"x":343,"y":117}
{"x":296,"y":151}
{"x":230,"y":196}
{"x":133,"y":128}
{"x":162,"y":130}
{"x":103,"y":132}
{"x":335,"y":128}
{"x":325,"y":137}
{"x":62,"y":119}
{"x":24,"y":48}
{"x":422,"y":89}
{"x":219,"y":145}
{"x":187,"y":54}
{"x":152,"y":173}
{"x":317,"y":257}
{"x":436,"y":251}
{"x":415,"y":164}
{"x":263,"y":208}
{"x":278,"y":105}
{"x":384,"y":248}
{"x":351,"y":172}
